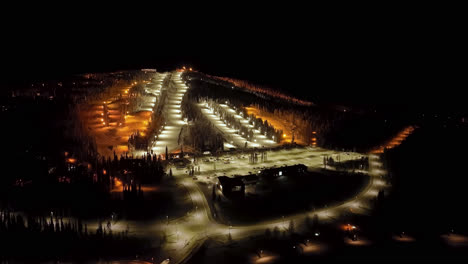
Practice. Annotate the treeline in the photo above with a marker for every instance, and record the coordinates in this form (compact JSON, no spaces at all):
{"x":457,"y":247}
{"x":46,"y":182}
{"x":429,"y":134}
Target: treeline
{"x":80,"y":188}
{"x":303,"y":120}
{"x":231,"y":121}
{"x":302,"y":124}
{"x":262,"y":90}
{"x":52,"y":238}
{"x":343,"y":130}
{"x":158,"y":117}
{"x":347,"y":165}
{"x":201,"y":134}
{"x":156,"y":122}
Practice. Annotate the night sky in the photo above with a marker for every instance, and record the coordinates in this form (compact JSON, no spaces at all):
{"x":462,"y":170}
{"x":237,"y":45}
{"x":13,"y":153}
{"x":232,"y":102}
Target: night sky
{"x":398,"y":62}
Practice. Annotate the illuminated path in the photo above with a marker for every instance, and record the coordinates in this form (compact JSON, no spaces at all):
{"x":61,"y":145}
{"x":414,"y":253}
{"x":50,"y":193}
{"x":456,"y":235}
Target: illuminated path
{"x":259,"y":139}
{"x":230,"y":134}
{"x":234,"y":140}
{"x":170,"y":134}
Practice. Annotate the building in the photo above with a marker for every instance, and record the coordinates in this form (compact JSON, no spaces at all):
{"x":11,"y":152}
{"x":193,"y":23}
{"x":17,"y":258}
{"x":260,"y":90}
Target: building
{"x":231,"y":187}
{"x":248,"y":179}
{"x":283,"y":171}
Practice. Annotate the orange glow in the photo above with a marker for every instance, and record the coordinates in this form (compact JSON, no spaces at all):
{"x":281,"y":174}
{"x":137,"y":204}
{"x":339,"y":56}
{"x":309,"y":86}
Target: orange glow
{"x":404,"y":238}
{"x":455,"y":240}
{"x":122,"y":148}
{"x":104,"y":172}
{"x":274,"y":120}
{"x":348,"y":227}
{"x":71,"y":160}
{"x":395,"y":141}
{"x":117,"y":182}
{"x":284,"y":135}
{"x":112,"y":132}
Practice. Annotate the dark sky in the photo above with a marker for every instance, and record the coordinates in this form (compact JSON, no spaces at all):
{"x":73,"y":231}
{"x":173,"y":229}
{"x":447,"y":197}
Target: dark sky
{"x":391,"y":60}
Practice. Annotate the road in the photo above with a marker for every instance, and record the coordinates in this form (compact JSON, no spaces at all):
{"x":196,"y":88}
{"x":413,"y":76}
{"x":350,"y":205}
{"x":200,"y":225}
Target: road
{"x":200,"y":224}
{"x":186,"y":234}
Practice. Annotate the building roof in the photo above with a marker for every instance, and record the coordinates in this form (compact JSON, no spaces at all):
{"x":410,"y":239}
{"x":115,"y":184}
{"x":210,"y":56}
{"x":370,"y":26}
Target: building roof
{"x":227,"y":181}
